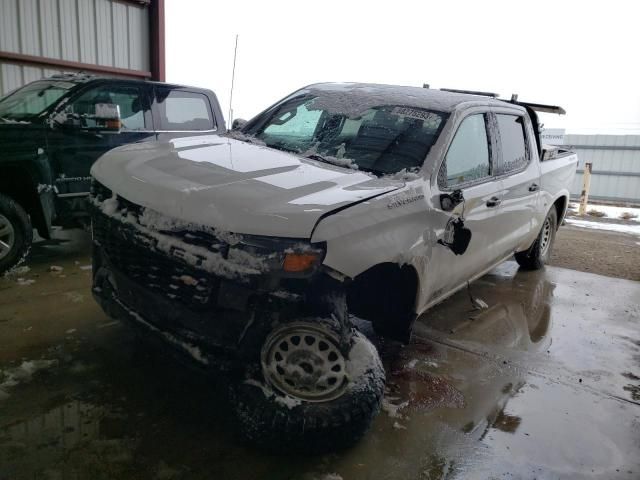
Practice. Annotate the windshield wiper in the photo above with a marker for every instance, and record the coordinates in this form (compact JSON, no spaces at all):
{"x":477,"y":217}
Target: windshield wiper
{"x":317,"y":156}
{"x":340,"y":162}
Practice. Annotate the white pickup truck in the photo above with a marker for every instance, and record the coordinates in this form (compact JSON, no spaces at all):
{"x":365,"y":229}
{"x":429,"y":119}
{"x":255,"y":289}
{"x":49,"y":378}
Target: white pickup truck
{"x":252,"y":251}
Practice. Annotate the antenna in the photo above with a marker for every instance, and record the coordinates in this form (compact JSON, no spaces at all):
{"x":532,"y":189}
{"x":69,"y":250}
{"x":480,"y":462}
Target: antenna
{"x":233,"y":77}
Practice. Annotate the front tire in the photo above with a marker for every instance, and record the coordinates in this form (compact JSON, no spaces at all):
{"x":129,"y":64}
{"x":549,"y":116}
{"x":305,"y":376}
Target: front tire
{"x":319,"y":408}
{"x":540,"y":252}
{"x":16,"y":233}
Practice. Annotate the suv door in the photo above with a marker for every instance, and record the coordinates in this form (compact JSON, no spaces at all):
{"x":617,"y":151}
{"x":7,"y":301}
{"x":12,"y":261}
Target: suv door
{"x":180,"y":112}
{"x":74,"y":147}
{"x":519,"y":171}
{"x":467,"y":166}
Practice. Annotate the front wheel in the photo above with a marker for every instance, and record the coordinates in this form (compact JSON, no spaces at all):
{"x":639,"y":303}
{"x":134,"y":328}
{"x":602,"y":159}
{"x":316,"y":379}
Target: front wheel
{"x":540,"y":252}
{"x":311,"y":394}
{"x":16,"y":233}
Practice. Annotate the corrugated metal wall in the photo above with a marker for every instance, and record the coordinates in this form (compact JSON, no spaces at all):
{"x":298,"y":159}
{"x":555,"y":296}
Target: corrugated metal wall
{"x":615,"y":163}
{"x":102,"y":32}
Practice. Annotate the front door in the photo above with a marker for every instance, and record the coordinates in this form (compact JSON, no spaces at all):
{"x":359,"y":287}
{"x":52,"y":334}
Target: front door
{"x":74,"y":146}
{"x":468,"y":167}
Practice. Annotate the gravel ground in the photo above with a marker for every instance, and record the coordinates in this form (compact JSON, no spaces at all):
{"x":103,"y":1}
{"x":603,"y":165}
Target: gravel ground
{"x":597,"y":251}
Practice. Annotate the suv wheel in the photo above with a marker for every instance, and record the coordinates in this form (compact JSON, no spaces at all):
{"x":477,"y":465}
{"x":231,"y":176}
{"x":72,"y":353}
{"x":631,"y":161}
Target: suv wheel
{"x":16,"y":233}
{"x":540,"y":252}
{"x":308,"y":395}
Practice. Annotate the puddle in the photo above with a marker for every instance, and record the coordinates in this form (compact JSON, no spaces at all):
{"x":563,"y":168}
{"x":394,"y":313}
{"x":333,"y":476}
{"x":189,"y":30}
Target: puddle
{"x":541,"y":384}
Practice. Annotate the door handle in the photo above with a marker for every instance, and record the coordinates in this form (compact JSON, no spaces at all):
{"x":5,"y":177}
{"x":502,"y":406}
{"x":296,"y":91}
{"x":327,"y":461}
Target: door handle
{"x":534,"y":187}
{"x":493,"y":202}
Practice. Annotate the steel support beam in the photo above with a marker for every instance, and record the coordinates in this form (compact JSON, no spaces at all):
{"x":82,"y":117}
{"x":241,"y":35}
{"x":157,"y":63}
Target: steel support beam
{"x":56,"y":63}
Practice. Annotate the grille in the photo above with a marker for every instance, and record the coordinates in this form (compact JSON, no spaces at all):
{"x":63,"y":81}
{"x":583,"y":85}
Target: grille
{"x":133,"y":254}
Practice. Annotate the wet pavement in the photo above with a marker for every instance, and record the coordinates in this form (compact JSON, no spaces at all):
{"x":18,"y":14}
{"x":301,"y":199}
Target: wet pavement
{"x":543,"y":384}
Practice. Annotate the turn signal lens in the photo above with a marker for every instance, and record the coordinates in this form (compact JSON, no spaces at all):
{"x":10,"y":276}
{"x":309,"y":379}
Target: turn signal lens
{"x":299,"y":262}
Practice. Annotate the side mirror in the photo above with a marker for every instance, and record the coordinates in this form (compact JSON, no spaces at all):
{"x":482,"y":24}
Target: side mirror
{"x":449,"y":201}
{"x":107,"y":117}
{"x":238,"y":123}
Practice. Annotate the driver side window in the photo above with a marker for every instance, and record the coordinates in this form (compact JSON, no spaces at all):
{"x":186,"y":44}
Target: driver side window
{"x":467,"y":159}
{"x":129,"y":99}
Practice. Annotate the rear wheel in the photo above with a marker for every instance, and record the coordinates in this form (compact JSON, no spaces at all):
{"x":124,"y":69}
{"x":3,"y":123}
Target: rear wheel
{"x":16,"y":233}
{"x":311,"y":394}
{"x":540,"y":252}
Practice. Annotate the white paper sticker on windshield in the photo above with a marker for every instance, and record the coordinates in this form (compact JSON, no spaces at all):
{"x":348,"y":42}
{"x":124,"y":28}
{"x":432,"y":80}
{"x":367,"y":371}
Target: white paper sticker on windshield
{"x":418,"y":114}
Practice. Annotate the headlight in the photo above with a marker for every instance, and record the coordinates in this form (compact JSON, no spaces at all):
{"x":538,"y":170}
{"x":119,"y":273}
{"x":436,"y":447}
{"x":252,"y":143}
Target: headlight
{"x":290,"y":257}
{"x":301,"y":262}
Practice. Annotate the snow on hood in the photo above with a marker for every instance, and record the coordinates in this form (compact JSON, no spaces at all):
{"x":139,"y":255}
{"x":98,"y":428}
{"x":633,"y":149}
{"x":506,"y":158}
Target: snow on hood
{"x":234,"y":186}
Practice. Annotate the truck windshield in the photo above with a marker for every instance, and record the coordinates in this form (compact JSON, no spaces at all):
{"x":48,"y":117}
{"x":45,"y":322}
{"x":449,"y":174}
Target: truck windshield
{"x":32,"y":99}
{"x":382,"y":139}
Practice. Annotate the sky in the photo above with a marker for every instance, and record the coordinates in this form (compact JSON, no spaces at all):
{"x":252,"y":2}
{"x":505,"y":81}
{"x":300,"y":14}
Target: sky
{"x":582,"y":55}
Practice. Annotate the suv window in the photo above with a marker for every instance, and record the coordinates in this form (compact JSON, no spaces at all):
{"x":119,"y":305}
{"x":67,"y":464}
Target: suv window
{"x":128,"y":98}
{"x":467,"y":159}
{"x":181,"y":110}
{"x":512,"y":143}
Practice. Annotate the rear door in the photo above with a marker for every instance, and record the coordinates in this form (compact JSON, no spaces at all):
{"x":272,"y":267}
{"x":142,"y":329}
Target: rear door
{"x":468,"y":166}
{"x":519,"y":169}
{"x":181,"y":112}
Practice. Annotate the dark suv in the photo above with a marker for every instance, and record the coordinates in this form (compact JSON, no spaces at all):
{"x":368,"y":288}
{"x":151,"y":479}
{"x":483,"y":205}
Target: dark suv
{"x":52,"y":131}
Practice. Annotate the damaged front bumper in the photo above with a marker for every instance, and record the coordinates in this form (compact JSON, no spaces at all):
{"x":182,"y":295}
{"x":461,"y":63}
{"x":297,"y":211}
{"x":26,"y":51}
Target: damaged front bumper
{"x":168,"y":286}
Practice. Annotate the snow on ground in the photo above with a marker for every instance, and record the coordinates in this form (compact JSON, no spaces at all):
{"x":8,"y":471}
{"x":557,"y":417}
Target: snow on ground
{"x":632,"y":225}
{"x":611,"y":211}
{"x":10,"y":377}
{"x":393,"y":409}
{"x":16,"y":271}
{"x":331,"y":476}
{"x":612,"y":227}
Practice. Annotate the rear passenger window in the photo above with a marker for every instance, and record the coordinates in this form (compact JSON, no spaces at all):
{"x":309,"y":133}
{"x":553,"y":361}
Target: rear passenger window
{"x":512,"y":143}
{"x":184,"y":111}
{"x":468,"y":157}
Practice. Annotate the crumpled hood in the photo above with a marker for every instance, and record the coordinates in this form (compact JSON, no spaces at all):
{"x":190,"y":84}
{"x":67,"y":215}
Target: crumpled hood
{"x":234,"y":186}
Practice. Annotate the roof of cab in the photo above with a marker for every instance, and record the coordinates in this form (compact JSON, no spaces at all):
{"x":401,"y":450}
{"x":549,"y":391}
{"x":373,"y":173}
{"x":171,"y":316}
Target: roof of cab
{"x":83,"y":77}
{"x":380,"y":94}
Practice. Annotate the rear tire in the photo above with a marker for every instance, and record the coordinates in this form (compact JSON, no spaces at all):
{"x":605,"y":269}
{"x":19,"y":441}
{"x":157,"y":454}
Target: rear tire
{"x":540,"y":252}
{"x":282,"y":423}
{"x":16,"y":233}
